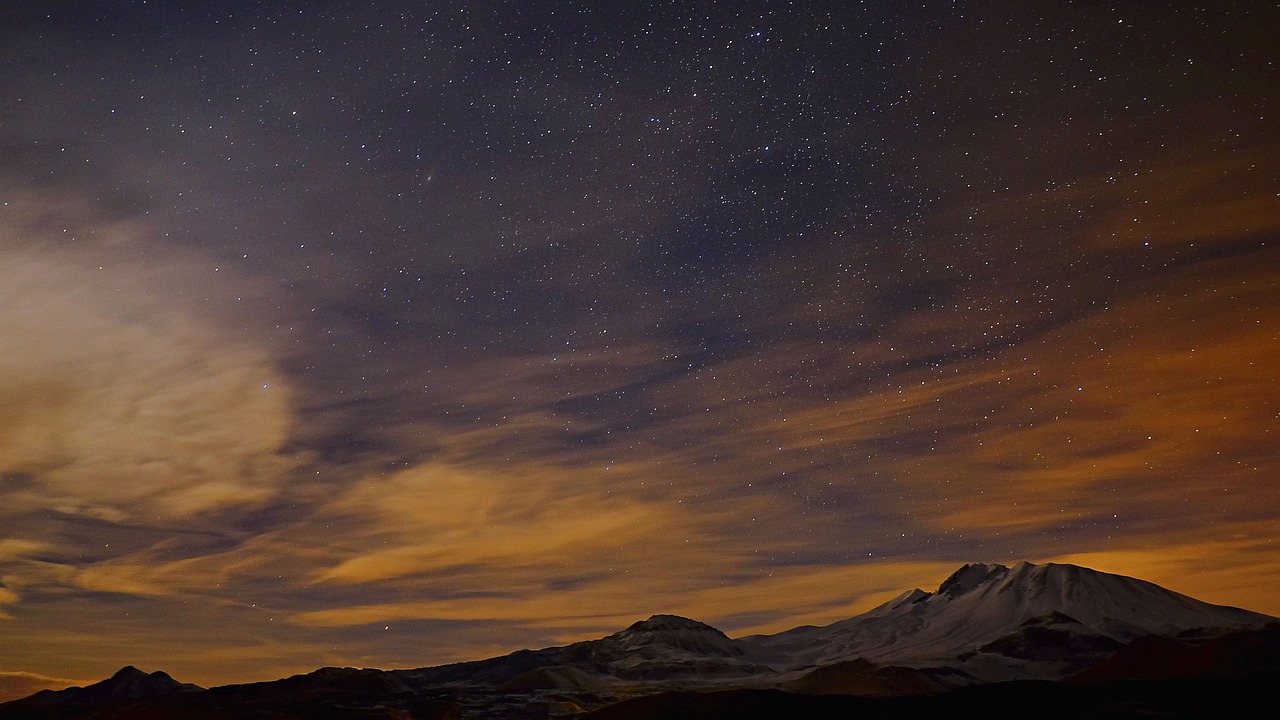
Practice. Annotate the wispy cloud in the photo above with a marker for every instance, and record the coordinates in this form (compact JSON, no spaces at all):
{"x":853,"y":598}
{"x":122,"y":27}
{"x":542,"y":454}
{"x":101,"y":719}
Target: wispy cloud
{"x":120,"y":399}
{"x":14,"y":685}
{"x":1197,"y":563}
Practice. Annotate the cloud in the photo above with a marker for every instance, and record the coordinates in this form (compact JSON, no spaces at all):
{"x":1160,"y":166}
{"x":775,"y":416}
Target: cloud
{"x":1168,"y":389}
{"x":1232,"y":564}
{"x":7,"y":597}
{"x":438,"y":516}
{"x":704,"y":587}
{"x":1210,"y":200}
{"x":118,"y":398}
{"x":12,"y":548}
{"x":563,"y":548}
{"x":18,"y":684}
{"x":1081,"y":430}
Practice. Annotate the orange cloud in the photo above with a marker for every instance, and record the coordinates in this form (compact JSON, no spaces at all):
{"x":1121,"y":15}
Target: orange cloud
{"x":779,"y":599}
{"x":1211,"y":200}
{"x":114,"y":393}
{"x":438,"y":516}
{"x":19,"y":684}
{"x":1234,"y":564}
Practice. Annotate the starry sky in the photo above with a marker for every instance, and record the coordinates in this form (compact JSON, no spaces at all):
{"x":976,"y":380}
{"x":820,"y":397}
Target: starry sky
{"x":398,"y":333}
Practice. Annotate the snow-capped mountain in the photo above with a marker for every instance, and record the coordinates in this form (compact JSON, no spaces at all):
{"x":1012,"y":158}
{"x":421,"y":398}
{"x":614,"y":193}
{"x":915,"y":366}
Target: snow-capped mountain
{"x":668,"y":636}
{"x":660,"y":648}
{"x":998,"y":620}
{"x":985,"y":623}
{"x":666,"y":643}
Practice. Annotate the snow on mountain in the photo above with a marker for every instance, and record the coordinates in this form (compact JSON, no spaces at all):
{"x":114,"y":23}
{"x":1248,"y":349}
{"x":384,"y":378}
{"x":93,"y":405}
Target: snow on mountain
{"x":662,"y":647}
{"x":985,"y":623}
{"x":666,"y":645}
{"x":1008,"y":613}
{"x":672,"y":635}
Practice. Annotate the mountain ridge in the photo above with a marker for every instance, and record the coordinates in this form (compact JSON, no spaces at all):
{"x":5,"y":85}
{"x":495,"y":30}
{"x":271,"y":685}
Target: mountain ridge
{"x":127,"y":683}
{"x":981,"y":604}
{"x":986,"y":623}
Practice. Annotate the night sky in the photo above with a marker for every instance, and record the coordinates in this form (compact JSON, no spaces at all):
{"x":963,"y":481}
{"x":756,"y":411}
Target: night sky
{"x":398,"y":333}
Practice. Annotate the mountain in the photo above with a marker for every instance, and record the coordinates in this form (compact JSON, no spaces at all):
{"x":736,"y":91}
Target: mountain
{"x":661,"y":648}
{"x":985,"y":623}
{"x":666,"y":645}
{"x":866,"y":679}
{"x":129,"y":687}
{"x":1191,"y":655}
{"x":1000,"y":623}
{"x":1080,"y":642}
{"x":129,"y":683}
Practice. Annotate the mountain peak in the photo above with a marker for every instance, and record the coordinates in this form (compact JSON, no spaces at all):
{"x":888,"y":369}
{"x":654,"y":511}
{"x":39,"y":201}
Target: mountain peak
{"x":127,"y":682}
{"x":131,"y":682}
{"x":128,"y":672}
{"x":999,"y":612}
{"x":971,"y":576}
{"x":669,"y":623}
{"x":662,"y":634}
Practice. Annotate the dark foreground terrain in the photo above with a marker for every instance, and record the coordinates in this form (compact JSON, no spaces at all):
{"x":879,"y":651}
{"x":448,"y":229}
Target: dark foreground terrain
{"x":1241,"y":696}
{"x":1235,"y":697}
